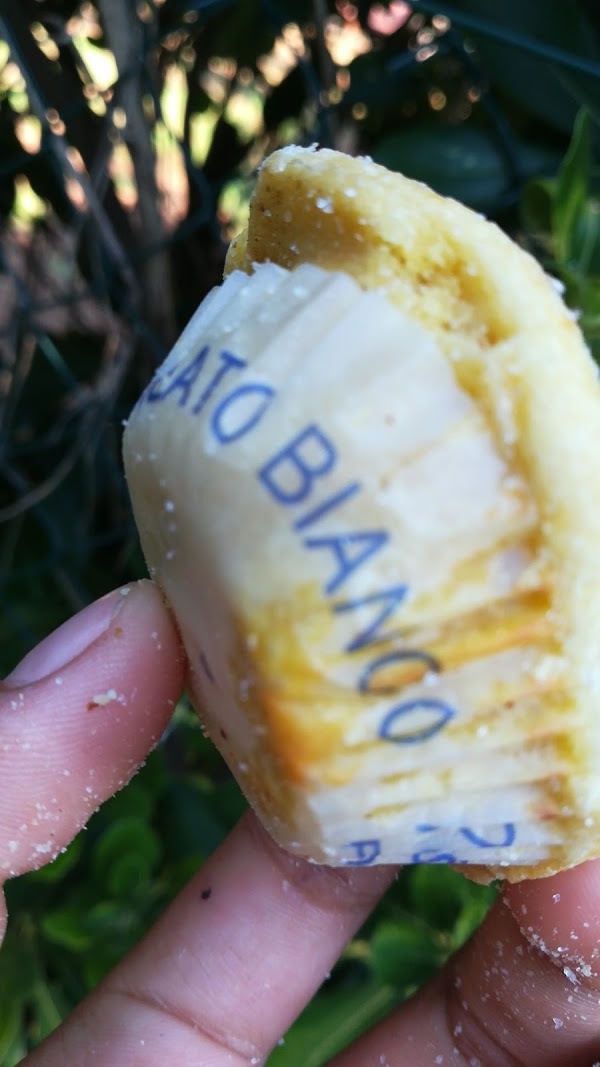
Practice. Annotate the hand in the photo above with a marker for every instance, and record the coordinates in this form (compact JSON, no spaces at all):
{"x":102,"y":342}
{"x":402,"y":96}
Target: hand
{"x":238,"y":954}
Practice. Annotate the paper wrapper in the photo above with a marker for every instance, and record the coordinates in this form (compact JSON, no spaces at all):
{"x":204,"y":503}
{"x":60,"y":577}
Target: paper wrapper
{"x":357,"y":576}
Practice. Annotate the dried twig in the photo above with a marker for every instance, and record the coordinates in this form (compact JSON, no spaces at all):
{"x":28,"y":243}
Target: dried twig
{"x":13,"y":32}
{"x":125,"y":35}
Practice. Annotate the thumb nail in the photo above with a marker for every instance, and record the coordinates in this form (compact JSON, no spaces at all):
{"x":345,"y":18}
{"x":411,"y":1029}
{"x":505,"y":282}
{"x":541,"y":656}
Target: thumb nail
{"x":69,"y":641}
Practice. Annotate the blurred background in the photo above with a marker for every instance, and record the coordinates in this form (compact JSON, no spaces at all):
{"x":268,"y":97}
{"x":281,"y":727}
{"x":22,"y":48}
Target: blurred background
{"x":130,"y":135}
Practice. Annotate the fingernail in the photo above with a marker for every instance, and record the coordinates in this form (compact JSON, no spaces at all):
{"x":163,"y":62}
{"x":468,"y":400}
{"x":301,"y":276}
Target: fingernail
{"x":69,"y":641}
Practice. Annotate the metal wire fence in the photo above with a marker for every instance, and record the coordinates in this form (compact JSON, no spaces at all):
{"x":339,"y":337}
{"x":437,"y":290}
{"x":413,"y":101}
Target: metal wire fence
{"x":129,"y":134}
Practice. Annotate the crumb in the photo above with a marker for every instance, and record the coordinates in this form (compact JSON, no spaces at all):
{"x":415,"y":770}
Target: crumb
{"x":101,"y":699}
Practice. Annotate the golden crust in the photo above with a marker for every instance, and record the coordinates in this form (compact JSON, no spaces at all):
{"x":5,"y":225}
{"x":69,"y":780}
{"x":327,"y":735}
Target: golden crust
{"x":516,"y":349}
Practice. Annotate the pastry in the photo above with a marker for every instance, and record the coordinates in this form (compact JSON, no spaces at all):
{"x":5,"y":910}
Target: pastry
{"x":367,"y":481}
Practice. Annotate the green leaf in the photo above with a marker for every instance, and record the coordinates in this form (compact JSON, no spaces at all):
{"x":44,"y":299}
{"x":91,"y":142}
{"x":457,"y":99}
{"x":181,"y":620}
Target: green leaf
{"x":11,"y":1023}
{"x":125,"y":855}
{"x":572,"y":188}
{"x":189,"y":821}
{"x":464,"y":162}
{"x":49,"y":1009}
{"x":537,"y":202}
{"x":535,"y":84}
{"x":19,"y":963}
{"x":19,"y":972}
{"x":67,"y":928}
{"x":377,"y":83}
{"x":230,"y":802}
{"x":438,"y":895}
{"x":60,"y":867}
{"x":404,"y":954}
{"x":127,"y":874}
{"x":106,"y":917}
{"x":334,"y":1019}
{"x":476,"y":906}
{"x":116,"y":927}
{"x":134,"y":800}
{"x":585,"y":239}
{"x":98,"y":964}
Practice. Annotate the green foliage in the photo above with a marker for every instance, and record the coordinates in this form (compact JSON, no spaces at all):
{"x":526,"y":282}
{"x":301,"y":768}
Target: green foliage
{"x":562,"y":215}
{"x":467,"y":163}
{"x":518,"y":43}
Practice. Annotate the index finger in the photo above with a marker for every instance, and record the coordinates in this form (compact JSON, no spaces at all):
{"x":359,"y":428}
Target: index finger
{"x":229,"y":965}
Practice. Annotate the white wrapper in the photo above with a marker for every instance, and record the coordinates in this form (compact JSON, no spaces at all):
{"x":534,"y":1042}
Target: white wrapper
{"x":350,"y":559}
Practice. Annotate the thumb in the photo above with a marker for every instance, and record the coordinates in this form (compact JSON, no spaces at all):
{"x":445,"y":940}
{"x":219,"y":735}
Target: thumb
{"x":77,"y":718}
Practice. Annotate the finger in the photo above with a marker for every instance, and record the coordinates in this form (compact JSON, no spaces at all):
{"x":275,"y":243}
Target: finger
{"x":78,"y":716}
{"x":228,"y":967}
{"x":524,"y":991}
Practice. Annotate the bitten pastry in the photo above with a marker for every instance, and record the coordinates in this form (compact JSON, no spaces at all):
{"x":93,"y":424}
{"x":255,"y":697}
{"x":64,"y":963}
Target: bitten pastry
{"x":367,"y":480}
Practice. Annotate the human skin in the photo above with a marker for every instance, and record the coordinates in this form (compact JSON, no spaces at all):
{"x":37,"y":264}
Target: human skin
{"x":222,"y":975}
